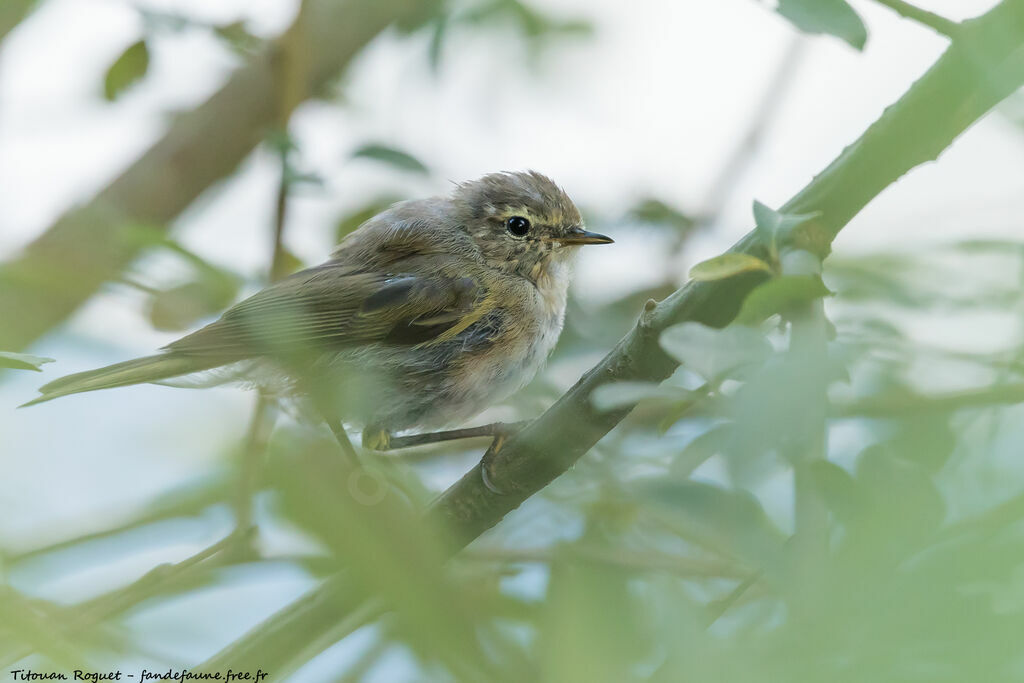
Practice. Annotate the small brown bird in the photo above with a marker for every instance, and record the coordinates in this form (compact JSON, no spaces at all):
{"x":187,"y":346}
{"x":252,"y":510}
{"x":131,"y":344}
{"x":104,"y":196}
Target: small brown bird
{"x":424,"y":316}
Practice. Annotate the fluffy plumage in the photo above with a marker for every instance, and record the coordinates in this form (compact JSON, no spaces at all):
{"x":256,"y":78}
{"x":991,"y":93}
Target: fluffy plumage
{"x":425,"y":315}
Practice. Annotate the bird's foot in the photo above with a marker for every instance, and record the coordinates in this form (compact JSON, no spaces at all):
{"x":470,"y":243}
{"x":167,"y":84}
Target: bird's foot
{"x":376,"y":439}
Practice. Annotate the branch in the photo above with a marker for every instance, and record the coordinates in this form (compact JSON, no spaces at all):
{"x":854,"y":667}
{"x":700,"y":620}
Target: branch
{"x":86,"y":247}
{"x":11,"y":14}
{"x":686,"y":567}
{"x":904,"y":404}
{"x":86,"y":616}
{"x":808,"y":356}
{"x":982,"y":66}
{"x":933,"y":21}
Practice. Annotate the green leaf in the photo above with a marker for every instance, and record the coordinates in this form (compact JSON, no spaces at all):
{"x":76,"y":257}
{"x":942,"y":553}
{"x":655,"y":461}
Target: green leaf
{"x":833,"y":17}
{"x":701,"y":449}
{"x":726,"y":265}
{"x":903,"y":505}
{"x":353,"y":220}
{"x":390,"y":155}
{"x":22,"y":361}
{"x":238,"y":38}
{"x":715,"y":354}
{"x":180,"y":307}
{"x":126,"y":70}
{"x":655,"y":211}
{"x":838,"y":489}
{"x":779,"y":295}
{"x":616,"y":395}
{"x":730,"y":520}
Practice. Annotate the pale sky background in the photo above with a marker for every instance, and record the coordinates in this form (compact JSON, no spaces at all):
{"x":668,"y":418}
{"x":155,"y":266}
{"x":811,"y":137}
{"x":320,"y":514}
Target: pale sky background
{"x":653,"y":103}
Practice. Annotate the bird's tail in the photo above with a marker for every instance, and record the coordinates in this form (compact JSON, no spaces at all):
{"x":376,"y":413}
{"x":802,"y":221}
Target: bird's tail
{"x":137,"y":371}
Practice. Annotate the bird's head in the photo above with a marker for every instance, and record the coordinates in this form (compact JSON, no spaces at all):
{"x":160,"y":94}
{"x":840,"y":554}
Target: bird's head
{"x":522,"y":222}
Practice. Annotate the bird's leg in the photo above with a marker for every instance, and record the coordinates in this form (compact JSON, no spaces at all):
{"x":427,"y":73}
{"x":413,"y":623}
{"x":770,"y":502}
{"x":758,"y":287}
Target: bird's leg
{"x":347,"y":449}
{"x":381,"y":440}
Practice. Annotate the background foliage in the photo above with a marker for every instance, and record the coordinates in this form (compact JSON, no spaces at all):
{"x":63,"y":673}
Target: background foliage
{"x":829,"y":488}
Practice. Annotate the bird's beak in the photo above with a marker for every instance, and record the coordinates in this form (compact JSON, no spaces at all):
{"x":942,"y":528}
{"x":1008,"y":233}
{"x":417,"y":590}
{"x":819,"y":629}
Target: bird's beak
{"x":581,"y":236}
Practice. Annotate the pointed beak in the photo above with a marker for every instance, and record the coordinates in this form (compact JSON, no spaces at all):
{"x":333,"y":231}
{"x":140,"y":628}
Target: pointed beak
{"x":581,"y":236}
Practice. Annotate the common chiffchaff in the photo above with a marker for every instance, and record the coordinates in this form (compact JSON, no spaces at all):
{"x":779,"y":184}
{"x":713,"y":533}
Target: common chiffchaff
{"x":432,"y":310}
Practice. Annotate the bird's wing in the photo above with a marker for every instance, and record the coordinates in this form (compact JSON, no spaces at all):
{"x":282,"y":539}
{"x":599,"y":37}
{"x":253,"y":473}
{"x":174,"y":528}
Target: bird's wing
{"x":335,"y":306}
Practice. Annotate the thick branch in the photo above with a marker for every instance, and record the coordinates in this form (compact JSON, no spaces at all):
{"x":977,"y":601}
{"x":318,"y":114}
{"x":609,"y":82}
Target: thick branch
{"x":87,"y":246}
{"x":983,"y":66}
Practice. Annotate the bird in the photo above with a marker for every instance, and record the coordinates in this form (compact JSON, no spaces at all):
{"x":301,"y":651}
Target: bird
{"x":425,"y":315}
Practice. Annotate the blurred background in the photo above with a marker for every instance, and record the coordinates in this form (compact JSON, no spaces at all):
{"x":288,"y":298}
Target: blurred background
{"x":658,"y":555}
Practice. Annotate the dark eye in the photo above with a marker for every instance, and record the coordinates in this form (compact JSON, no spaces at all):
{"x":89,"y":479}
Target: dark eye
{"x":517,"y":226}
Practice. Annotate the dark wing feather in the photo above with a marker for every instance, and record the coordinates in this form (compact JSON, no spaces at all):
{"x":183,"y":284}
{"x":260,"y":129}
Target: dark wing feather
{"x":334,"y":306}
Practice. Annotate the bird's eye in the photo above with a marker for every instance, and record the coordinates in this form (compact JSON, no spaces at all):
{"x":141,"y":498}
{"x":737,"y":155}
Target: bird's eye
{"x":517,"y":226}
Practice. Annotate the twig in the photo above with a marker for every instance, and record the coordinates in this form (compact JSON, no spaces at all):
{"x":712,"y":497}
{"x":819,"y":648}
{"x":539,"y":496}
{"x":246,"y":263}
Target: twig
{"x":762,"y":117}
{"x":937,"y":23}
{"x":717,"y":608}
{"x":263,"y":417}
{"x":260,"y":426}
{"x":278,"y":261}
{"x":343,"y":441}
{"x":897,"y":405}
{"x":86,"y":615}
{"x":687,"y":567}
{"x":808,"y":356}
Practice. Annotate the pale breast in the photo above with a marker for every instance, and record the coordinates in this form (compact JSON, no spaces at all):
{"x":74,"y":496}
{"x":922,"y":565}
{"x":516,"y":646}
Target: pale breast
{"x":436,"y":385}
{"x":523,"y":334}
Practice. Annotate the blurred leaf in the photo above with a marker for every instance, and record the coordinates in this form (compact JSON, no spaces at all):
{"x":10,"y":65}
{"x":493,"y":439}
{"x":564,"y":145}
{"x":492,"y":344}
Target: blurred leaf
{"x":726,"y":265}
{"x":715,"y":353}
{"x":130,"y":67}
{"x":838,"y":489}
{"x":677,"y":412}
{"x":392,"y":156}
{"x":730,"y":520}
{"x":702,"y":449}
{"x":616,"y":395}
{"x":902,"y":506}
{"x":425,"y":12}
{"x":654,"y":210}
{"x":238,"y":38}
{"x":438,"y":33}
{"x":985,"y":245}
{"x":834,"y":17}
{"x":350,"y":221}
{"x":22,"y":361}
{"x":290,"y":263}
{"x":593,"y":628}
{"x":927,"y":440}
{"x":532,"y":23}
{"x":154,"y":21}
{"x":178,"y":308}
{"x":780,"y":295}
{"x":12,"y":12}
{"x":385,"y":547}
{"x":293,"y":177}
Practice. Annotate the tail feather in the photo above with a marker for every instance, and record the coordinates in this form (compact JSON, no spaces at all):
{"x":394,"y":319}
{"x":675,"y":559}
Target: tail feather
{"x":137,"y":371}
